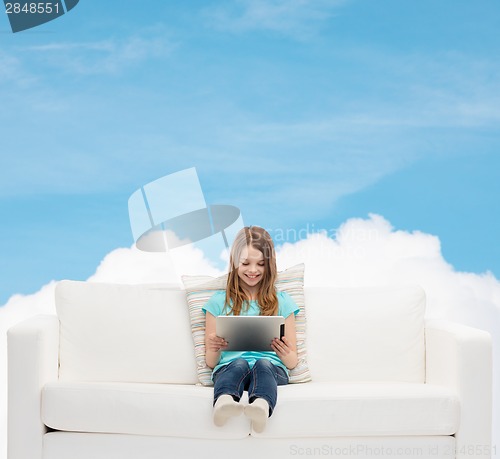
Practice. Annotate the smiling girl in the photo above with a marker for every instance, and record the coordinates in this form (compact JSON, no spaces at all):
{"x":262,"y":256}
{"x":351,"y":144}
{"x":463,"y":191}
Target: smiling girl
{"x":250,"y":290}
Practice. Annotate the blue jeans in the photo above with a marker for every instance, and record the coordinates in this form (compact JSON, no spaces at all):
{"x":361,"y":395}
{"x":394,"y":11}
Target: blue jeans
{"x":261,"y":381}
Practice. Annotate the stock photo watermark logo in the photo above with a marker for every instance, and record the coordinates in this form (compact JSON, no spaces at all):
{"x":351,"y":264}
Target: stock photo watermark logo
{"x":171,"y":212}
{"x":25,"y":15}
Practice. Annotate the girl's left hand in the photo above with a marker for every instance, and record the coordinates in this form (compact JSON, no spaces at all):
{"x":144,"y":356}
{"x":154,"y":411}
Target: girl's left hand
{"x":281,"y":347}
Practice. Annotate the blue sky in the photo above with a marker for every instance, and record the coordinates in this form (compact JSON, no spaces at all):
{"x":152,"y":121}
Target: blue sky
{"x":301,"y":113}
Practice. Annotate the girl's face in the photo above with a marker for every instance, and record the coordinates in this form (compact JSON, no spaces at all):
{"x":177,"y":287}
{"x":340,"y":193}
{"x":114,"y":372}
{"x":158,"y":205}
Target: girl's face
{"x":251,"y":266}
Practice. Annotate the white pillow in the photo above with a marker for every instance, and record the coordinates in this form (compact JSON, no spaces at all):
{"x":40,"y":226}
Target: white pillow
{"x":200,"y":288}
{"x":129,"y":333}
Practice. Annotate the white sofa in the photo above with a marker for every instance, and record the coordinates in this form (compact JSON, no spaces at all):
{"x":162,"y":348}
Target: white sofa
{"x":114,"y":376}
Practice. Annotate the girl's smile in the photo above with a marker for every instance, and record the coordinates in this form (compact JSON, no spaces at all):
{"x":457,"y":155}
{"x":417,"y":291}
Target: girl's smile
{"x":251,"y":267}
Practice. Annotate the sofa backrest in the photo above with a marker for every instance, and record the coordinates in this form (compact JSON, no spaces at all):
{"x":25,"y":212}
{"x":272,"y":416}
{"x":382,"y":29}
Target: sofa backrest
{"x":366,"y":334}
{"x":133,"y":333}
{"x":142,"y":333}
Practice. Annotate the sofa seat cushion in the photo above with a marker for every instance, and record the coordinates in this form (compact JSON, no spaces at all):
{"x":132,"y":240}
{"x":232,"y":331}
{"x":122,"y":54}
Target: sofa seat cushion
{"x":363,"y":409}
{"x":303,"y":410}
{"x":135,"y":408}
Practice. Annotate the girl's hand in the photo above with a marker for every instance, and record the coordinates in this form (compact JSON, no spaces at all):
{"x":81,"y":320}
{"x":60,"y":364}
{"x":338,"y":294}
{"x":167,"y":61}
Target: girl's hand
{"x":282,"y":347}
{"x":215,"y":343}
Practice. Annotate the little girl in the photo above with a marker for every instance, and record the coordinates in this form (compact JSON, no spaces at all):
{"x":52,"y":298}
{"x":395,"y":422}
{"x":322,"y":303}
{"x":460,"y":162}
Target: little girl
{"x":250,"y":290}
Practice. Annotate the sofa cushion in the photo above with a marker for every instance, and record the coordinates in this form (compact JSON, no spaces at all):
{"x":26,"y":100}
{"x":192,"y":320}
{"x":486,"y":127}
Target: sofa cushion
{"x":303,"y":410}
{"x":366,"y":334}
{"x":172,"y":410}
{"x":363,"y":409}
{"x":200,"y":288}
{"x":134,"y":333}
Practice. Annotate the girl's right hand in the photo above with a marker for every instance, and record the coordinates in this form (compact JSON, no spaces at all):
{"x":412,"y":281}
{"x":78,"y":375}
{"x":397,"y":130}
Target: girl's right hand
{"x":215,"y":343}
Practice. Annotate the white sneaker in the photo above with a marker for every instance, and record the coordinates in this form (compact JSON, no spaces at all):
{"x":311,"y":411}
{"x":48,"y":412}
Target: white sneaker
{"x":225,"y":407}
{"x":258,"y":412}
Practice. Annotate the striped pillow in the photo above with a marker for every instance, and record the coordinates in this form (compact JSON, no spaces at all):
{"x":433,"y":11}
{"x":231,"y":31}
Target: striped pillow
{"x":200,"y":288}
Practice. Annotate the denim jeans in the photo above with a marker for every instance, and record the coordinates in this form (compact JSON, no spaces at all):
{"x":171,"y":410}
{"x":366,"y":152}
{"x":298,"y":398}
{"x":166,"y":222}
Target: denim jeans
{"x":261,"y":381}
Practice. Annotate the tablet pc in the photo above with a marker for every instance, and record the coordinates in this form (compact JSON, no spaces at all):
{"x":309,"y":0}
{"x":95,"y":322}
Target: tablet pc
{"x":249,"y":333}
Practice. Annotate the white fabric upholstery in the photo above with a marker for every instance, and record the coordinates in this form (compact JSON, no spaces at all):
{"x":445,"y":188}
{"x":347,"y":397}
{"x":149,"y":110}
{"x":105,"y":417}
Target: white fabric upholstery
{"x":368,"y":334}
{"x":312,"y":410}
{"x":32,"y":347}
{"x":366,"y":409}
{"x":134,"y":333}
{"x":460,"y":358}
{"x":147,"y":409}
{"x":64,"y":445}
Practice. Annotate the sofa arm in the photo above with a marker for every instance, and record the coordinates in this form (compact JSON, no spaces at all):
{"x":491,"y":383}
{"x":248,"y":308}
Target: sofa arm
{"x":33,"y":360}
{"x":460,"y":357}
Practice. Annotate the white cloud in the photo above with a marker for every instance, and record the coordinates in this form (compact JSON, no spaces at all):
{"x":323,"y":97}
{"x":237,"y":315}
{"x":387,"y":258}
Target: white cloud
{"x":296,"y":18}
{"x":12,"y":72}
{"x":356,"y":142}
{"x":370,"y":252}
{"x":103,"y":57}
{"x":133,"y":266}
{"x":362,"y":252}
{"x":441,"y":89}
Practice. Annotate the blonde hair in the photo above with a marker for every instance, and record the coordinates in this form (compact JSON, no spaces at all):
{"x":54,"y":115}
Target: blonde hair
{"x":258,"y":238}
